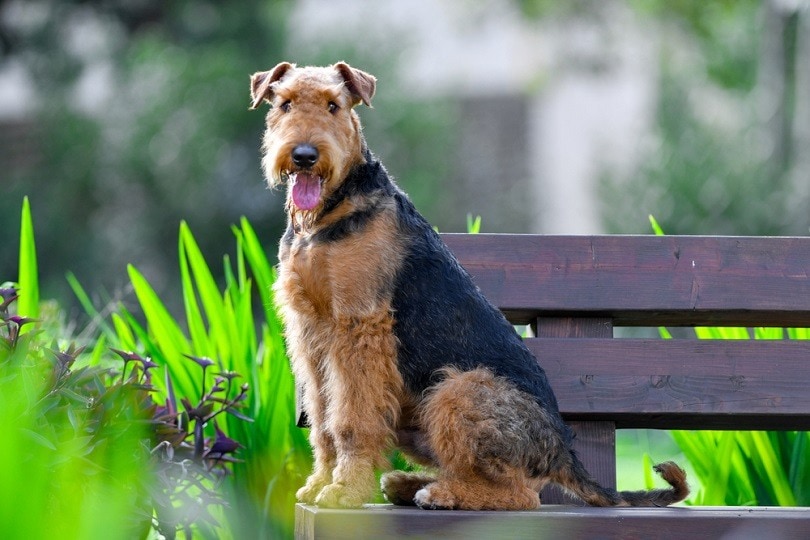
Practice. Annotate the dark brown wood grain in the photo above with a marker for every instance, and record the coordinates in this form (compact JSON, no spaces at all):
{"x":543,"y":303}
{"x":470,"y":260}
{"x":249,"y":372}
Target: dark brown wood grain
{"x":643,"y":280}
{"x":680,"y":384}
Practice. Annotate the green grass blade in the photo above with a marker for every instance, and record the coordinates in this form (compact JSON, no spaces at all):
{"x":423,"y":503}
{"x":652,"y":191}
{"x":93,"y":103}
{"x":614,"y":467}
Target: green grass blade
{"x":703,"y":332}
{"x":99,"y":350}
{"x":87,"y":304}
{"x":28,"y":278}
{"x":81,"y":295}
{"x":209,"y":294}
{"x":164,"y":340}
{"x":647,"y":468}
{"x":126,"y":339}
{"x":799,"y":474}
{"x":260,"y":265}
{"x":655,"y":226}
{"x":473,"y":225}
{"x":196,"y":327}
{"x":773,"y":482}
{"x":166,"y":331}
{"x":799,"y":333}
{"x":769,"y":333}
{"x":719,"y":475}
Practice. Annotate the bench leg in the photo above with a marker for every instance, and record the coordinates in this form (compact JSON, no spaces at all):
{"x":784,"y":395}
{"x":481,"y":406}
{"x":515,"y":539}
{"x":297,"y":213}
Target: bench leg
{"x":595,"y":444}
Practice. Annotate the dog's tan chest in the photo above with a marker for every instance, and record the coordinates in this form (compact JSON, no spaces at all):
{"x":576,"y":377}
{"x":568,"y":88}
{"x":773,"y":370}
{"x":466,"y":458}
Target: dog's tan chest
{"x":353,"y":276}
{"x":305,"y":270}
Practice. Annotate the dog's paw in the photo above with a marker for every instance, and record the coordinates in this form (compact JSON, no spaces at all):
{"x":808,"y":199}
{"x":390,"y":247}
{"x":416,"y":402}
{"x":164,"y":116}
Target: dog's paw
{"x":432,"y":497}
{"x":339,"y":496}
{"x":311,"y":489}
{"x":306,"y":495}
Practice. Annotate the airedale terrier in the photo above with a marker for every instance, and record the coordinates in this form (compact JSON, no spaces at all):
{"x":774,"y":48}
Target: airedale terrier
{"x":391,"y":342}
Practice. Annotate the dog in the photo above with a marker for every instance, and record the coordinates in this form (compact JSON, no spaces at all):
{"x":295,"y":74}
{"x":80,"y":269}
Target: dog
{"x":391,"y":343}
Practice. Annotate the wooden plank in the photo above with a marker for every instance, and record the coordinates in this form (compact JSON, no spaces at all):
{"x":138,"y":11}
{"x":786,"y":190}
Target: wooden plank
{"x":385,"y":521}
{"x":573,"y":327}
{"x":680,"y":384}
{"x":643,"y":280}
{"x":595,"y":441}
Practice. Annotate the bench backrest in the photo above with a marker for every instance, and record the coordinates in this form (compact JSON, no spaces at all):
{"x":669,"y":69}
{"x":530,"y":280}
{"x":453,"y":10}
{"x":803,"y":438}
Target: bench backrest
{"x":573,"y":291}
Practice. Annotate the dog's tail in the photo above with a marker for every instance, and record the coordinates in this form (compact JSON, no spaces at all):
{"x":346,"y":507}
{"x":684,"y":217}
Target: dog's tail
{"x":576,"y":480}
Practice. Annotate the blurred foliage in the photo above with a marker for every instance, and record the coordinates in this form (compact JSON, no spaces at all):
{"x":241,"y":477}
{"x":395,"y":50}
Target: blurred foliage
{"x":724,"y":155}
{"x":104,"y":453}
{"x":697,"y":180}
{"x":722,"y":158}
{"x":141,"y":121}
{"x":726,"y":32}
{"x":74,"y":435}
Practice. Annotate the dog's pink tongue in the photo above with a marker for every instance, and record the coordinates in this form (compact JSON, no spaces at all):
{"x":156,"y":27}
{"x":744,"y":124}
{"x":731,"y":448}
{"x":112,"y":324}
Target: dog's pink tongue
{"x":306,"y":191}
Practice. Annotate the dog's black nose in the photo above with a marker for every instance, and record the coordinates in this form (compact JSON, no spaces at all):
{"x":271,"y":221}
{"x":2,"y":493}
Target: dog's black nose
{"x":305,"y":155}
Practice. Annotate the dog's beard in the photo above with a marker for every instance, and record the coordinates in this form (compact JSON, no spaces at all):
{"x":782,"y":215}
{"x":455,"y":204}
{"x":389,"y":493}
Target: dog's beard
{"x":304,"y":198}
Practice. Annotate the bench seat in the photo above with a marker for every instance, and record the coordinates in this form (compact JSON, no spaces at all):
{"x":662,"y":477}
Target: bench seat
{"x":553,"y":522}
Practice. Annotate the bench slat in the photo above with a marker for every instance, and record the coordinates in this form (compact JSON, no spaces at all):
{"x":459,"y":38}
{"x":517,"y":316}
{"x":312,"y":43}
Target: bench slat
{"x":643,"y":280}
{"x":680,"y":384}
{"x":385,"y":521}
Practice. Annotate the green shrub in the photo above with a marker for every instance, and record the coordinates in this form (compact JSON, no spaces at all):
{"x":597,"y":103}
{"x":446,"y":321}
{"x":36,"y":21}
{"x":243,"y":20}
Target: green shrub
{"x":100,"y":452}
{"x":224,"y":326}
{"x":72,"y":432}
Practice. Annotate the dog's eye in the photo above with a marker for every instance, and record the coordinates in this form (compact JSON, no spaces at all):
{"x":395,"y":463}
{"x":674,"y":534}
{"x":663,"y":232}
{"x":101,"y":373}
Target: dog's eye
{"x":333,"y":107}
{"x":286,"y":106}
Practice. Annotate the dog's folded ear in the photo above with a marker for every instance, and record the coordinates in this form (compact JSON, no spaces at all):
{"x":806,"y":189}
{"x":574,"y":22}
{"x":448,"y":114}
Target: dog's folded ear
{"x":261,"y":83}
{"x":361,"y":85}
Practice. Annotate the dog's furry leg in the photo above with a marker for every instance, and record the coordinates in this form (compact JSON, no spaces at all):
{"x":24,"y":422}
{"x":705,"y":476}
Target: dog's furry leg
{"x":306,"y":339}
{"x":322,"y":441}
{"x":323,"y":448}
{"x":364,"y":395}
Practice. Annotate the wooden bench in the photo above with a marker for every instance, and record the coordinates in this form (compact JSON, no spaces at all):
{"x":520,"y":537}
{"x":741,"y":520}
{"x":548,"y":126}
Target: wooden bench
{"x":573,"y":292}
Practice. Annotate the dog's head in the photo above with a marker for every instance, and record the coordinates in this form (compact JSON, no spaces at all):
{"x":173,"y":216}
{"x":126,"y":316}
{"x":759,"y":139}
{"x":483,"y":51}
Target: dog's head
{"x":313,"y":136}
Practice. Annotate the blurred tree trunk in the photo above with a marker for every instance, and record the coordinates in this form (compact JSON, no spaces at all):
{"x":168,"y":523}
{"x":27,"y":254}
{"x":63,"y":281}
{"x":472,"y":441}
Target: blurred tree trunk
{"x":778,"y":80}
{"x":801,"y":142}
{"x":785,"y":87}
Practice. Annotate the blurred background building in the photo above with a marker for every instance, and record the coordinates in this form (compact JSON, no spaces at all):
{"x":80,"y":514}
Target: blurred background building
{"x":120,"y":118}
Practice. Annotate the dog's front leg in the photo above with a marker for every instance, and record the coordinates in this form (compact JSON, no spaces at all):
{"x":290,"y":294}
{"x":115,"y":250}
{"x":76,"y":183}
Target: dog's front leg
{"x":323,"y":445}
{"x":306,"y":345}
{"x":365,"y":388}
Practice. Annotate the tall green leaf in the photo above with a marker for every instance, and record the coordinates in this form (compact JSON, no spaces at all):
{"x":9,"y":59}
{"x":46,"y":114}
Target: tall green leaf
{"x":164,"y":339}
{"x":28,"y":279}
{"x":209,"y":294}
